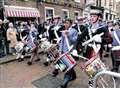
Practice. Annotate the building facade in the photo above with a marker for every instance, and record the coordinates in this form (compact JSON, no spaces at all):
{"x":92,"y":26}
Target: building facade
{"x":118,"y":9}
{"x":110,"y":11}
{"x":109,"y":6}
{"x":63,"y":8}
{"x":47,"y":8}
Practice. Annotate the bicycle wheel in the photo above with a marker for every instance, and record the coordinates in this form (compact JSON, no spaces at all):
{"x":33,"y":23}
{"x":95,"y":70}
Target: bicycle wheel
{"x":106,"y":81}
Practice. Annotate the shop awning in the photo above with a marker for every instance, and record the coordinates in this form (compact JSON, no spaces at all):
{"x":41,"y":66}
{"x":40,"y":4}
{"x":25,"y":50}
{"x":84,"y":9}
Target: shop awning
{"x":17,"y":11}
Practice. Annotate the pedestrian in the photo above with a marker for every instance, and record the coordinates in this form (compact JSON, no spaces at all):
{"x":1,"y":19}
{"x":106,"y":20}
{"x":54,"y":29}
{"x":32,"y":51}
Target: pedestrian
{"x":115,"y":54}
{"x":11,"y":37}
{"x":33,"y":36}
{"x":71,"y":34}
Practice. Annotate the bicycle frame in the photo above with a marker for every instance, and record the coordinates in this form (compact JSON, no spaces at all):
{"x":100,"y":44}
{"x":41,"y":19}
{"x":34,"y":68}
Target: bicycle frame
{"x":105,"y":72}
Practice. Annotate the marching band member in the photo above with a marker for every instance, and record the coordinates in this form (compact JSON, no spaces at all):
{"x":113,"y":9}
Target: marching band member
{"x":54,"y":34}
{"x":56,"y":25}
{"x":96,"y":27}
{"x":115,"y":52}
{"x":71,"y":34}
{"x":80,"y":25}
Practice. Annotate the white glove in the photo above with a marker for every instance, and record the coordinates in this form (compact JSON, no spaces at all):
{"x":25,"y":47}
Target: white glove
{"x":97,"y":38}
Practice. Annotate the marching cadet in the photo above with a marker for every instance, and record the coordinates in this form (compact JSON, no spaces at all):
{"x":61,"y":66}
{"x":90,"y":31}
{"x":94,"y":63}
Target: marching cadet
{"x":115,"y":53}
{"x":56,"y":21}
{"x":80,"y":25}
{"x":71,"y":34}
{"x":96,"y":27}
{"x":54,"y":34}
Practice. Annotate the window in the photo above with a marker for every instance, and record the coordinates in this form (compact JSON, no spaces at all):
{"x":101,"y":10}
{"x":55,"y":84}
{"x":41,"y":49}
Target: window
{"x":78,"y":1}
{"x":76,"y":14}
{"x":106,"y":16}
{"x":110,"y":16}
{"x":49,"y":12}
{"x":65,"y":14}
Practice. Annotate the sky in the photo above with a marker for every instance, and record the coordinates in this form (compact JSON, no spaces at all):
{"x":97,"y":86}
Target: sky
{"x":117,"y":0}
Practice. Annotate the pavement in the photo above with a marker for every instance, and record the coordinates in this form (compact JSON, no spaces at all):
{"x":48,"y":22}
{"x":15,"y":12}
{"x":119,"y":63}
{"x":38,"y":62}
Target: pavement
{"x":7,"y":58}
{"x":19,"y":75}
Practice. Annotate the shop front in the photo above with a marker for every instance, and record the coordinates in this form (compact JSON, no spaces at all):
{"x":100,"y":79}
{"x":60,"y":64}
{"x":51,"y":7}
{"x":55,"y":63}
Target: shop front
{"x":18,"y":13}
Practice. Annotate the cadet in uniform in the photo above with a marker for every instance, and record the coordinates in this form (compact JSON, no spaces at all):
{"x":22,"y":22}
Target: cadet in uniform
{"x":96,"y":27}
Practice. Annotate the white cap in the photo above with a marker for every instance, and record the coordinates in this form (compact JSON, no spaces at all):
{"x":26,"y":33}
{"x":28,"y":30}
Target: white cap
{"x":57,"y":16}
{"x":95,"y":11}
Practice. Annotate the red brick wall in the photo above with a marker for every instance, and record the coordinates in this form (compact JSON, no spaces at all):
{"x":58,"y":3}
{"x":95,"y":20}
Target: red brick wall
{"x":21,"y":3}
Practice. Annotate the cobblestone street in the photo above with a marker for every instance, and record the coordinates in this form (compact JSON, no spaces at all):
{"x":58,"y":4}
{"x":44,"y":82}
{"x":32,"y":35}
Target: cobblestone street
{"x":19,"y":75}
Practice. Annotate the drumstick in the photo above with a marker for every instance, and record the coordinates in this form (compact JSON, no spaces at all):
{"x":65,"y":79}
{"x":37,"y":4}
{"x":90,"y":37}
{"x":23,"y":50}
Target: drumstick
{"x":58,"y":39}
{"x":90,"y":40}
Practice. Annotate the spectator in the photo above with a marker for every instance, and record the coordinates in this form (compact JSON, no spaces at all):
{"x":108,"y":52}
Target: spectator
{"x":11,"y":37}
{"x":2,"y":39}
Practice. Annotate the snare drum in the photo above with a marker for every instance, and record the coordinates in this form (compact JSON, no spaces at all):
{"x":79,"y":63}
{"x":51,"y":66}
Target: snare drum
{"x":53,"y":51}
{"x":93,"y":66}
{"x":45,"y":45}
{"x":19,"y":47}
{"x":30,"y":46}
{"x":66,"y":63}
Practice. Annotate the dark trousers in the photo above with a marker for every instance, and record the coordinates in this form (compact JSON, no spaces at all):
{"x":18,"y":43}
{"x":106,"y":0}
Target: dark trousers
{"x":115,"y":55}
{"x":2,"y":53}
{"x":69,"y":76}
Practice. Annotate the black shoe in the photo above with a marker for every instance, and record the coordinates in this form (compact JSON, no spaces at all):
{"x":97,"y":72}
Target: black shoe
{"x":37,"y":60}
{"x":20,"y":60}
{"x":29,"y":63}
{"x":106,"y":55}
{"x":46,"y":63}
{"x":55,"y":73}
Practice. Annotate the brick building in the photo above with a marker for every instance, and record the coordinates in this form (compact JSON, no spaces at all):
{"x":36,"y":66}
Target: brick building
{"x":109,"y":7}
{"x":63,"y":8}
{"x":118,"y":9}
{"x":46,"y":8}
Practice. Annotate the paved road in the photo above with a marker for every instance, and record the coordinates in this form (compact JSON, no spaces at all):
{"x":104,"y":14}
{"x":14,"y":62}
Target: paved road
{"x":20,"y":75}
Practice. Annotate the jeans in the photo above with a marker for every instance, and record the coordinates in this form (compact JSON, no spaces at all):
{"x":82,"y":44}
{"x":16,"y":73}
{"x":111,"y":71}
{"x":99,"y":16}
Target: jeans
{"x":69,"y":76}
{"x":2,"y":47}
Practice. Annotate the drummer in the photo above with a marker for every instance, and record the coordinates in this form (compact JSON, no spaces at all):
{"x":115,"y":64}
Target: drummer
{"x":96,"y":27}
{"x":71,"y":35}
{"x":116,"y":42}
